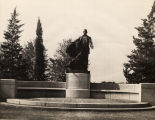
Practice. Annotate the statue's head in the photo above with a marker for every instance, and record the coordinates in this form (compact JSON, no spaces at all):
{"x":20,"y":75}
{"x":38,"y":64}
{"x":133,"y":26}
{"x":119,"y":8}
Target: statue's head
{"x":85,"y":31}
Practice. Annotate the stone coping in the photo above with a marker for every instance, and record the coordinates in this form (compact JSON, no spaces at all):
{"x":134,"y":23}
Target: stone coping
{"x":7,"y":81}
{"x":114,"y":91}
{"x":37,"y":81}
{"x":39,"y":88}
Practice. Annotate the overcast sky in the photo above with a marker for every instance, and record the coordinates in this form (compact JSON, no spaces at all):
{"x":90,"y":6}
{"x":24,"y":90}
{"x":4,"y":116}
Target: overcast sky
{"x":110,"y":23}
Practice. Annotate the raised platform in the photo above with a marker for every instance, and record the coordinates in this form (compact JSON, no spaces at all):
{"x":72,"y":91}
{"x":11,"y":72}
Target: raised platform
{"x":80,"y":104}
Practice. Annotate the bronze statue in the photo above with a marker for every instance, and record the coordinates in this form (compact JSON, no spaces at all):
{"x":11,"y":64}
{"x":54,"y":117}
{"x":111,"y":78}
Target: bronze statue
{"x":79,"y":51}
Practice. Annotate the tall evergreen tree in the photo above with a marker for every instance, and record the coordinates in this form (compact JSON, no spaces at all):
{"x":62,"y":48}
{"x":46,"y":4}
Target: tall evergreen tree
{"x":39,"y":66}
{"x":141,"y":65}
{"x":12,"y":65}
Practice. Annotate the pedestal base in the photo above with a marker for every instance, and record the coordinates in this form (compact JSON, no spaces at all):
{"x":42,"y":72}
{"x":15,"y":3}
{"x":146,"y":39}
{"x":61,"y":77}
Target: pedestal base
{"x":78,"y":85}
{"x":77,"y":93}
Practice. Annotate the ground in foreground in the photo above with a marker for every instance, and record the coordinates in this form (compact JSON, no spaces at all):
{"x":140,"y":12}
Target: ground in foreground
{"x":12,"y":112}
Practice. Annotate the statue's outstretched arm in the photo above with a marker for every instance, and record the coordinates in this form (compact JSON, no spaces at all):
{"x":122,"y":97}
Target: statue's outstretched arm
{"x":91,"y":44}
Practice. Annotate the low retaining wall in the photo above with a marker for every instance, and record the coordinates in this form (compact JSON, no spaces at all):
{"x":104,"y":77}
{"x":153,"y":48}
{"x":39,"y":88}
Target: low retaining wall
{"x":40,"y":93}
{"x":32,"y":89}
{"x":115,"y":94}
{"x":115,"y":86}
{"x":10,"y":88}
{"x":144,"y":92}
{"x":116,"y":91}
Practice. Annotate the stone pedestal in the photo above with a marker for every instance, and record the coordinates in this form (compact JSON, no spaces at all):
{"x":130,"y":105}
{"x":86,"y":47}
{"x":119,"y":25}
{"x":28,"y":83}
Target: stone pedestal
{"x":78,"y":84}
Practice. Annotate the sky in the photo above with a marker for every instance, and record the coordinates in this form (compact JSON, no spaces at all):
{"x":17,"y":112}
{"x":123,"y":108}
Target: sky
{"x":110,"y":23}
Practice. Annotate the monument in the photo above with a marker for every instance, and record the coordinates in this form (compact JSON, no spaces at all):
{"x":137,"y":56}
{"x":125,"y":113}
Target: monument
{"x":77,"y":74}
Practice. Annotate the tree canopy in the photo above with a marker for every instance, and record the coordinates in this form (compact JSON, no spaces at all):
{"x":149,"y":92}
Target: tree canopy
{"x":140,"y":67}
{"x":12,"y":65}
{"x":57,"y":64}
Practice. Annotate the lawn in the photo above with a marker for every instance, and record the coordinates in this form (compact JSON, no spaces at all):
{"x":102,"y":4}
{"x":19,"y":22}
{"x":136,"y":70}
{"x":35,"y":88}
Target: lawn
{"x":12,"y":112}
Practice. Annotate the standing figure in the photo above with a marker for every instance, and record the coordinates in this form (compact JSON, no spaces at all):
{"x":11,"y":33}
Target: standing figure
{"x":79,"y":50}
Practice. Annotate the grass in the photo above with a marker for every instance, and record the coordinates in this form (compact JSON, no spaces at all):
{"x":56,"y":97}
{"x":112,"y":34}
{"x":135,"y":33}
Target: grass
{"x":12,"y":112}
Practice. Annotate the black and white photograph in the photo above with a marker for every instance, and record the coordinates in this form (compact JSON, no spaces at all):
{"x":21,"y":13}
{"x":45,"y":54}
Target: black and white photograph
{"x":77,"y":59}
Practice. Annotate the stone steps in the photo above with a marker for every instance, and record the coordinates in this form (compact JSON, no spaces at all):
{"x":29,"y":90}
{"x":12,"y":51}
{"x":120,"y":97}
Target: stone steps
{"x":78,"y":103}
{"x":81,"y":100}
